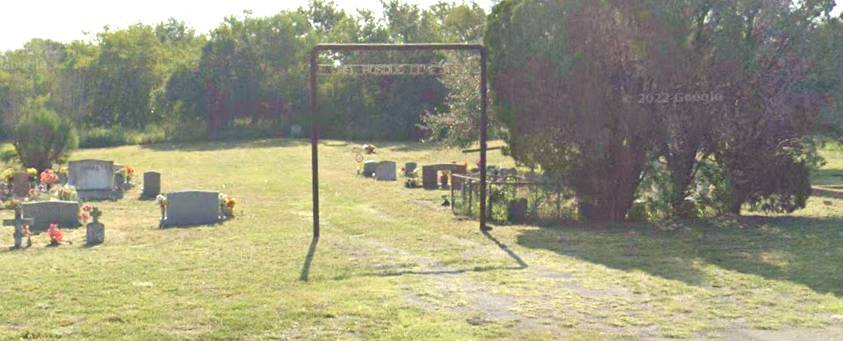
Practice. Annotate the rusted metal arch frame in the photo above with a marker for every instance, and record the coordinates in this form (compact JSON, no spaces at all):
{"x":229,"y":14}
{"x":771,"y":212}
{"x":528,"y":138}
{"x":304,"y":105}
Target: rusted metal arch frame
{"x":314,"y":108}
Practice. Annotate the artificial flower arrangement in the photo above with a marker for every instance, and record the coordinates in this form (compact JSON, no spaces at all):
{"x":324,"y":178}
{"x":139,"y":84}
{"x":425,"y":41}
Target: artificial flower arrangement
{"x":445,"y":178}
{"x":128,"y":173}
{"x":227,"y":204}
{"x":64,"y":192}
{"x":49,"y":177}
{"x":412,"y":183}
{"x":56,"y":235}
{"x":407,"y":174}
{"x":8,"y":174}
{"x":33,"y":173}
{"x":369,"y":148}
{"x":47,"y":180}
{"x":88,"y":212}
{"x":85,"y":213}
{"x":161,"y":200}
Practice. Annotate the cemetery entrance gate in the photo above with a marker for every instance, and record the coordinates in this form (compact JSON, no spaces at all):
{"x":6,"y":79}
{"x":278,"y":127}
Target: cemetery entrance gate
{"x":393,"y":70}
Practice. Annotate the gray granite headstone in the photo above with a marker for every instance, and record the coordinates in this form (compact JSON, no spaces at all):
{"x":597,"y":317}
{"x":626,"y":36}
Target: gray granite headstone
{"x":192,"y":208}
{"x":151,"y":184}
{"x":44,"y":213}
{"x":369,"y":168}
{"x":95,"y":234}
{"x":93,"y":179}
{"x":21,"y":184}
{"x":385,"y":171}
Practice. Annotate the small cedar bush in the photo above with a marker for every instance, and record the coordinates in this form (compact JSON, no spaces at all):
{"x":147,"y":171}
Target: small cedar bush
{"x":43,"y":138}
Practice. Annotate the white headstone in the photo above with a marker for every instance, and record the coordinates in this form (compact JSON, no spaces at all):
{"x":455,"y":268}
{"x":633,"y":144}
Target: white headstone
{"x":93,"y":179}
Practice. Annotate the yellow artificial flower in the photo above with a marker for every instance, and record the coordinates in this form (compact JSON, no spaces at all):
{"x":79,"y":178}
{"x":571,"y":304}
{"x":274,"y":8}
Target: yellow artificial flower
{"x":7,"y":174}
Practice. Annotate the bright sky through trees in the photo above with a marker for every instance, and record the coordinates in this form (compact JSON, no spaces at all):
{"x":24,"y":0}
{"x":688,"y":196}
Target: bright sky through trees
{"x":64,"y":21}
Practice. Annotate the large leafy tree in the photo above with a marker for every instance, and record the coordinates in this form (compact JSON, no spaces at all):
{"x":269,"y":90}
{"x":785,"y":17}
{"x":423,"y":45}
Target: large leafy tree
{"x":561,"y":73}
{"x":558,"y":79}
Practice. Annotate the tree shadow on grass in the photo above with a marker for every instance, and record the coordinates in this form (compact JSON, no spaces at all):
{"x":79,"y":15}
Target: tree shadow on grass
{"x":444,"y":270}
{"x":796,"y":249}
{"x":226,"y":144}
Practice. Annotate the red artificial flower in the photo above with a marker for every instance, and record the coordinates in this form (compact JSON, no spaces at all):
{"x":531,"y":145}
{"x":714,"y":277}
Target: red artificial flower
{"x":84,"y":216}
{"x":49,"y":177}
{"x":56,"y":236}
{"x":87,"y":208}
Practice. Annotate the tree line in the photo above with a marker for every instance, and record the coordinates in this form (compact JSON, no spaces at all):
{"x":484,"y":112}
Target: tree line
{"x":246,"y":77}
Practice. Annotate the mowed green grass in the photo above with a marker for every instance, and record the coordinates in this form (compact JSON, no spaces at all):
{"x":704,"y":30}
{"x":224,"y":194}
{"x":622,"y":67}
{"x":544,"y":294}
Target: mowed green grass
{"x":393,"y":264}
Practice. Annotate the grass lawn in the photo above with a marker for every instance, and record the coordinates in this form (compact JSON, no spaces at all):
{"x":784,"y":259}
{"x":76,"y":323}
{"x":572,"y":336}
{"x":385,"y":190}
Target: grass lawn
{"x":393,"y":264}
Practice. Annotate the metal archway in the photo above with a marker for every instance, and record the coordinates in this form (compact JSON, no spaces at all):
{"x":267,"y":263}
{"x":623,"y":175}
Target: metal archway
{"x":314,"y":107}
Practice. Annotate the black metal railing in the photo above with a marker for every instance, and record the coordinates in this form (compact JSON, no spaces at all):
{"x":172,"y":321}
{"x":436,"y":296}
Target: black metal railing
{"x":513,"y":200}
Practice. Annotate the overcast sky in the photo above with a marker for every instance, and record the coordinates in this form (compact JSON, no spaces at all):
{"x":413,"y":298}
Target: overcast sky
{"x":66,"y":20}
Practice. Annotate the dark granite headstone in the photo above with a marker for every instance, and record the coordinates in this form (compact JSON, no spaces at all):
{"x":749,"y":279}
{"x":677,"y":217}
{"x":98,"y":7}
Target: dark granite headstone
{"x":44,"y":213}
{"x":95,"y":233}
{"x":370,"y":167}
{"x":151,"y":184}
{"x":21,"y":184}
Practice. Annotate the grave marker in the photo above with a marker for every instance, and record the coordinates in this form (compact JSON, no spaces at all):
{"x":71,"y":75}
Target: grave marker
{"x":95,"y":231}
{"x":192,"y":208}
{"x":370,"y":167}
{"x":151,"y":184}
{"x":93,"y":179}
{"x":410,"y":167}
{"x":44,"y":213}
{"x":385,"y":171}
{"x":19,"y":222}
{"x":21,"y":184}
